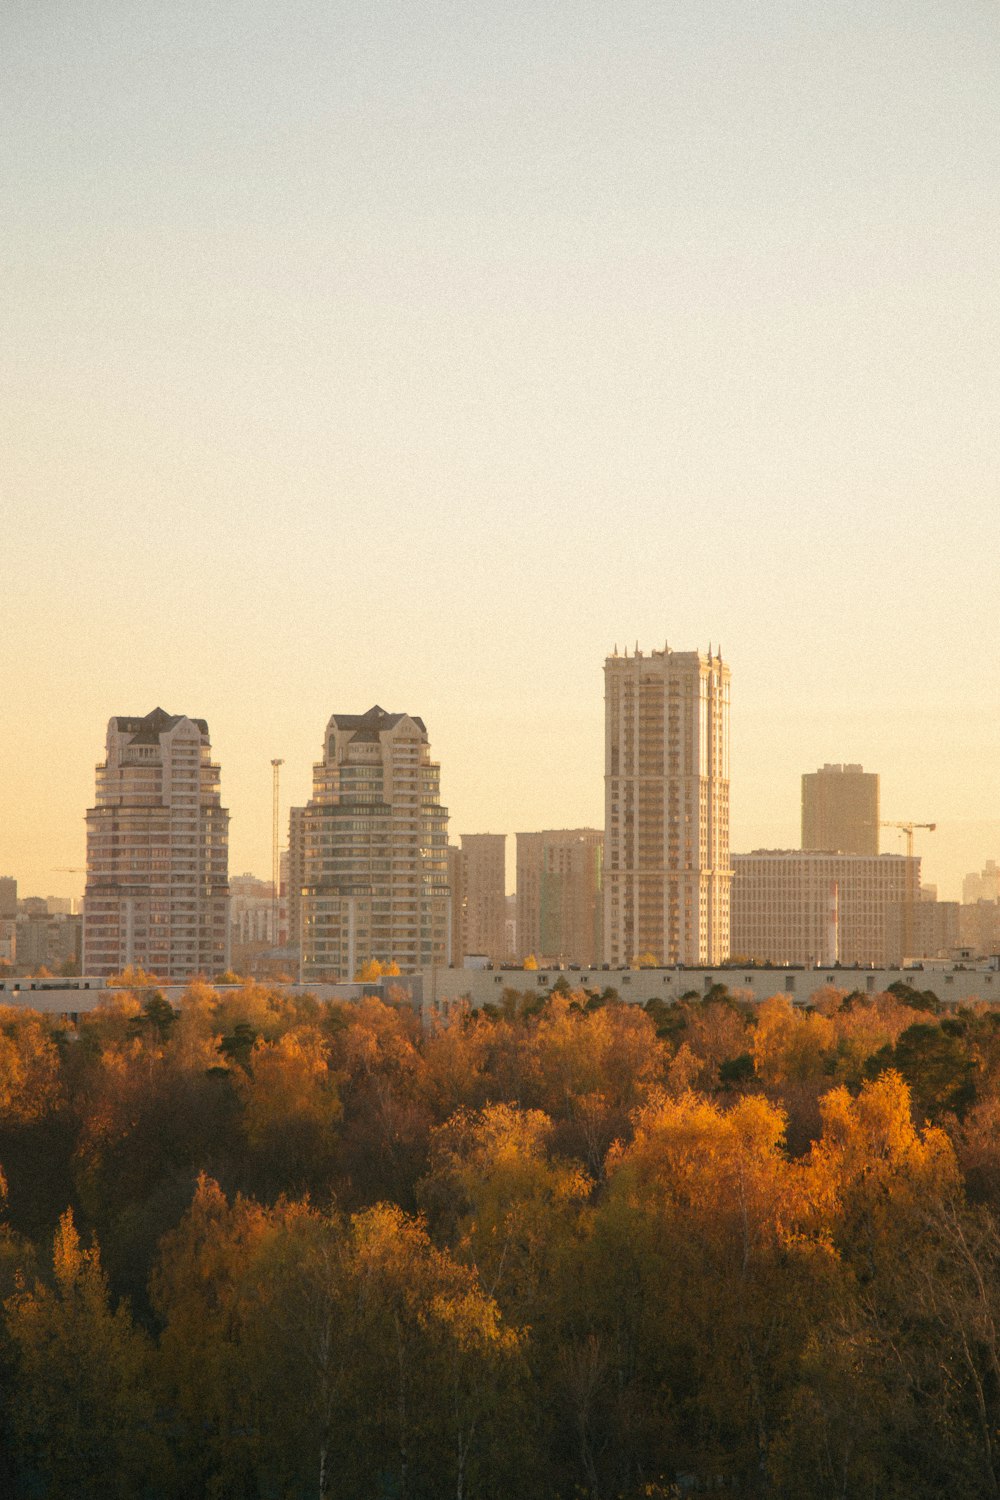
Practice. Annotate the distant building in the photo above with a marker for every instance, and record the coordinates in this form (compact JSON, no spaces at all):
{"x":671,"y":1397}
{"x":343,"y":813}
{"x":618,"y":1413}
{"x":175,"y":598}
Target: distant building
{"x":49,"y":941}
{"x":510,"y":928}
{"x":572,"y":899}
{"x":792,"y":906}
{"x":8,"y":940}
{"x":456,"y":885}
{"x":375,"y":862}
{"x":840,"y":810}
{"x":157,"y":893}
{"x":8,"y":897}
{"x":930,"y":929}
{"x":296,"y":873}
{"x":484,"y":860}
{"x":252,"y":912}
{"x":982,"y":887}
{"x":979,"y":926}
{"x":559,"y":894}
{"x":666,"y":841}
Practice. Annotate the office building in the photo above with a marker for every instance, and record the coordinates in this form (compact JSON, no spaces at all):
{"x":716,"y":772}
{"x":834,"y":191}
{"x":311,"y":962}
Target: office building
{"x":666,"y":850}
{"x":559,"y":909}
{"x":840,"y":810}
{"x":375,"y":850}
{"x":157,"y":894}
{"x":791,"y":906}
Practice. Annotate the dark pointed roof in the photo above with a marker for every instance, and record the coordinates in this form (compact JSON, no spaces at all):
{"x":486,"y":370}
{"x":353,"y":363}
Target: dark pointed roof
{"x":370,"y":725}
{"x":147,"y":730}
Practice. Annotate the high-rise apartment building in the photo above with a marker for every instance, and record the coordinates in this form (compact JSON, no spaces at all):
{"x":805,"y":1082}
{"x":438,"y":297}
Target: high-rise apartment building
{"x":157,"y":894}
{"x":375,"y":850}
{"x":559,"y":889}
{"x":666,"y":849}
{"x":8,"y":897}
{"x":484,"y":856}
{"x":840,"y":810}
{"x":792,"y":906}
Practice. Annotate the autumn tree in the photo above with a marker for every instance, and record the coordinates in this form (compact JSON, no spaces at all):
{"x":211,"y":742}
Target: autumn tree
{"x":83,"y":1403}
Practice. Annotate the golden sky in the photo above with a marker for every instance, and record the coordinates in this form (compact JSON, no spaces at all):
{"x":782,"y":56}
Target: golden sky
{"x":418,"y":354}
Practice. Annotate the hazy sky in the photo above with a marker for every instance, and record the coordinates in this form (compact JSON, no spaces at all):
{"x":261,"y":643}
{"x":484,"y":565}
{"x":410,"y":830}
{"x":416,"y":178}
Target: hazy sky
{"x":417,"y":353}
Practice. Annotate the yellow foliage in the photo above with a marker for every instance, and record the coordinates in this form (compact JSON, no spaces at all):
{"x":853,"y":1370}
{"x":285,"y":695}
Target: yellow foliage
{"x":30,"y":1082}
{"x":131,"y":977}
{"x":790,"y":1046}
{"x":531,"y":963}
{"x":374,"y":968}
{"x":290,"y":1087}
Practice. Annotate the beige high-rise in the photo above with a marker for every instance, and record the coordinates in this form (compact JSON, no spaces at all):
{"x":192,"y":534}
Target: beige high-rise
{"x":157,"y":893}
{"x":666,"y":853}
{"x":375,"y":850}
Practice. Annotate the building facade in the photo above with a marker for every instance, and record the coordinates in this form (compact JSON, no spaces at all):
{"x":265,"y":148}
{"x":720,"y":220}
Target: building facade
{"x":375,"y":850}
{"x":456,"y":888}
{"x":667,"y":874}
{"x":840,"y":810}
{"x":559,"y":908}
{"x":484,"y":860}
{"x":979,"y":926}
{"x":157,"y":894}
{"x":792,"y":906}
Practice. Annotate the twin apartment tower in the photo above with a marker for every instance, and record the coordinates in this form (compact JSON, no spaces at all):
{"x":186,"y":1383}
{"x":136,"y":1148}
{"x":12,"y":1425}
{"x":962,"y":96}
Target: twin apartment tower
{"x":369,"y":856}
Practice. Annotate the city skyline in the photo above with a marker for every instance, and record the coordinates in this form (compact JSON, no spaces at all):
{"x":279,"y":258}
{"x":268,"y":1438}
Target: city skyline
{"x":957,"y":847}
{"x":420,"y":355}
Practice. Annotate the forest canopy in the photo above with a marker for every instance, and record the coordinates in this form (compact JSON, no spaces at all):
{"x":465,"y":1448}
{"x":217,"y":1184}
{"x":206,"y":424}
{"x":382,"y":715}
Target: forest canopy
{"x":265,"y":1247}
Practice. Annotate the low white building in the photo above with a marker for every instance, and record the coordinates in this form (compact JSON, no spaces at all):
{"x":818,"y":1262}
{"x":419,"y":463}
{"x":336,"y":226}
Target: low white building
{"x":953,"y":984}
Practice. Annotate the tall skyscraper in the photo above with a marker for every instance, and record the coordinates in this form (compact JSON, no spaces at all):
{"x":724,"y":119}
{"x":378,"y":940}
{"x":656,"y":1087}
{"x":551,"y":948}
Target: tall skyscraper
{"x":157,"y":893}
{"x":559,"y":908}
{"x":375,"y":850}
{"x":840,"y":810}
{"x":666,"y":851}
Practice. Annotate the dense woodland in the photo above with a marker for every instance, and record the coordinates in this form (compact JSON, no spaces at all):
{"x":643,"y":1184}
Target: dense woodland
{"x":266,"y":1247}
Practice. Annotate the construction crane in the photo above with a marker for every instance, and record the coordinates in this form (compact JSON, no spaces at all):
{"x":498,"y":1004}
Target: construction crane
{"x":275,"y":850}
{"x":908,"y":829}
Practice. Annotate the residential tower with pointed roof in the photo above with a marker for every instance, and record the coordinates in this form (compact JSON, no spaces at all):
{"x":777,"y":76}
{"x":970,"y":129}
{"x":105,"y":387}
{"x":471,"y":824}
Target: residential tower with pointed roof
{"x":157,"y":894}
{"x":374,"y":850}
